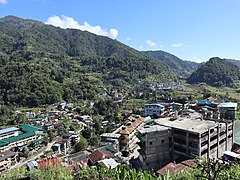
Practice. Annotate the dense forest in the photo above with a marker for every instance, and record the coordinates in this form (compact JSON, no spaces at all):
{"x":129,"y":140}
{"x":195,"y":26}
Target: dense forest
{"x":43,"y":64}
{"x":177,"y":65}
{"x":216,"y":72}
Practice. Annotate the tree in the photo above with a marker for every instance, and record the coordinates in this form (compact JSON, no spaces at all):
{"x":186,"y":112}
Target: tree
{"x":81,"y":145}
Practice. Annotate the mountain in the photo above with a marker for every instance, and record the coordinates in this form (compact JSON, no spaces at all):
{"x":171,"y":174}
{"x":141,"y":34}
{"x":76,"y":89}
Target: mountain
{"x":177,"y":65}
{"x":43,"y":64}
{"x":216,"y":72}
{"x":233,"y":61}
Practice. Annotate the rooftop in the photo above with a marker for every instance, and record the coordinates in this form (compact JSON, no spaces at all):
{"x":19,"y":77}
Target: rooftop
{"x":152,"y":128}
{"x":188,"y":123}
{"x":135,"y":122}
{"x":228,"y":105}
{"x":6,"y":155}
{"x":19,"y":137}
{"x":3,"y":131}
{"x":28,"y":128}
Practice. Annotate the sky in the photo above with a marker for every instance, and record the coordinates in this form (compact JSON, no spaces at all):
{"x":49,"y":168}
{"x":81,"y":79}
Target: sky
{"x":194,"y":30}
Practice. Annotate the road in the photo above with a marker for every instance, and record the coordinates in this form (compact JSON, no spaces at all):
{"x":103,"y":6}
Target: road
{"x":40,"y":153}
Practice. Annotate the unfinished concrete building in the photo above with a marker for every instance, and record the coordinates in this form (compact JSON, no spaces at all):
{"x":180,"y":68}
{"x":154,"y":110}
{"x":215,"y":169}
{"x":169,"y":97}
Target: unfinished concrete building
{"x":189,"y":136}
{"x":155,"y":146}
{"x":192,"y":136}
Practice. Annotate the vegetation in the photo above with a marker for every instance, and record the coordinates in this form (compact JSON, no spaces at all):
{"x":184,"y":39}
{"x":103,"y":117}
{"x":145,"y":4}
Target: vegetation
{"x":211,"y":170}
{"x":41,"y":64}
{"x":180,"y":67}
{"x":216,"y":72}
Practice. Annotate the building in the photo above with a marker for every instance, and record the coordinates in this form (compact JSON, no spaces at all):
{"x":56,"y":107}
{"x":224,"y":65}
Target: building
{"x":13,"y":137}
{"x":17,"y":141}
{"x":154,"y":109}
{"x":128,"y":139}
{"x":7,"y":159}
{"x":228,"y":110}
{"x":8,"y":132}
{"x":155,"y":146}
{"x":192,"y":136}
{"x":98,"y":155}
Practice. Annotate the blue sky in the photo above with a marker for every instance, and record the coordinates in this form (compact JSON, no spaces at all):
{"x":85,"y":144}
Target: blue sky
{"x":190,"y":29}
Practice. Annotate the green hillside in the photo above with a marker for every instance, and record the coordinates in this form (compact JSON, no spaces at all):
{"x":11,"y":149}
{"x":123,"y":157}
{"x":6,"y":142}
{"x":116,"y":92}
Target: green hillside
{"x":177,"y":65}
{"x":216,"y":72}
{"x":43,"y":64}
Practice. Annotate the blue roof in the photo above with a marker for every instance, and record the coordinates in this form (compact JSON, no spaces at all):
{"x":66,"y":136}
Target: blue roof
{"x":2,"y":131}
{"x":204,"y":102}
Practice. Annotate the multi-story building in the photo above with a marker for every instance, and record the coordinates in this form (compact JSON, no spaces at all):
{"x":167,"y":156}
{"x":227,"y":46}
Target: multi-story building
{"x":8,"y":132}
{"x":228,"y":110}
{"x":13,"y":137}
{"x":7,"y":159}
{"x":153,"y":109}
{"x":128,"y":140}
{"x":187,"y":135}
{"x":155,"y":146}
{"x":192,"y":136}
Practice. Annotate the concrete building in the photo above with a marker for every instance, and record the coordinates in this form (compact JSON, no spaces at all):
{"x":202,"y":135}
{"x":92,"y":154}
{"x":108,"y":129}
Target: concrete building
{"x":7,"y":159}
{"x":155,"y":146}
{"x":128,"y":140}
{"x":186,"y":135}
{"x":228,"y":110}
{"x":8,"y":132}
{"x":154,"y":109}
{"x":192,"y":136}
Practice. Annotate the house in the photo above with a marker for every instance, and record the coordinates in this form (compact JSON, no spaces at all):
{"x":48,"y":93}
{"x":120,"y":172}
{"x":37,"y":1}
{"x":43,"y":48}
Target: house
{"x":175,"y":168}
{"x":98,"y":155}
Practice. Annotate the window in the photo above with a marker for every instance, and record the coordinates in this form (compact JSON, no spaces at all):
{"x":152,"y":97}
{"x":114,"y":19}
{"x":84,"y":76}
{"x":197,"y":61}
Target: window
{"x":162,"y":141}
{"x":150,"y":143}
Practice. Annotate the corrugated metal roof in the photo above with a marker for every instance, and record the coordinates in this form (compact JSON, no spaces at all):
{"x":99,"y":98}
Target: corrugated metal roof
{"x":2,"y":131}
{"x":22,"y":136}
{"x":28,"y":128}
{"x":228,"y":105}
{"x":6,"y":155}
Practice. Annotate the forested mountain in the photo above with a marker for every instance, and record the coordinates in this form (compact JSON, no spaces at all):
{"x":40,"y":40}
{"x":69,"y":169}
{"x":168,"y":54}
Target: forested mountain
{"x":43,"y":64}
{"x":233,"y":61}
{"x":177,"y":65}
{"x":216,"y":72}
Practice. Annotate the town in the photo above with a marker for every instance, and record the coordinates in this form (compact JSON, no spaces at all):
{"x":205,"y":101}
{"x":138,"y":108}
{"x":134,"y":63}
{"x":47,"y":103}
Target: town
{"x":163,"y":136}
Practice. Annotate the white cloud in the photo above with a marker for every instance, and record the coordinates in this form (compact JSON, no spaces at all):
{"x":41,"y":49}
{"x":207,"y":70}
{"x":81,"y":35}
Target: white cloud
{"x":68,"y":22}
{"x":128,"y":39}
{"x":198,"y":59}
{"x":177,"y":45}
{"x":150,"y":43}
{"x":3,"y":1}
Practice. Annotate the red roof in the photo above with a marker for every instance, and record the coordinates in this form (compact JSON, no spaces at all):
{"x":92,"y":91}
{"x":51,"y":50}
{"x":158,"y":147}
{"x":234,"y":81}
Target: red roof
{"x":176,"y":168}
{"x":99,"y":155}
{"x":44,"y":163}
{"x":135,"y":123}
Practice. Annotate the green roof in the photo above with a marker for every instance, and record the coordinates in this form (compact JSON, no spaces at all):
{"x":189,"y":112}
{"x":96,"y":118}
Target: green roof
{"x":3,"y":143}
{"x":19,"y":137}
{"x":28,"y":128}
{"x":107,"y":148}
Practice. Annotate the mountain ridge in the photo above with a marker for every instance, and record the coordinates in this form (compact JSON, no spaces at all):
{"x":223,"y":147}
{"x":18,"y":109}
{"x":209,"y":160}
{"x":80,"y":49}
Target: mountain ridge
{"x":43,"y":64}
